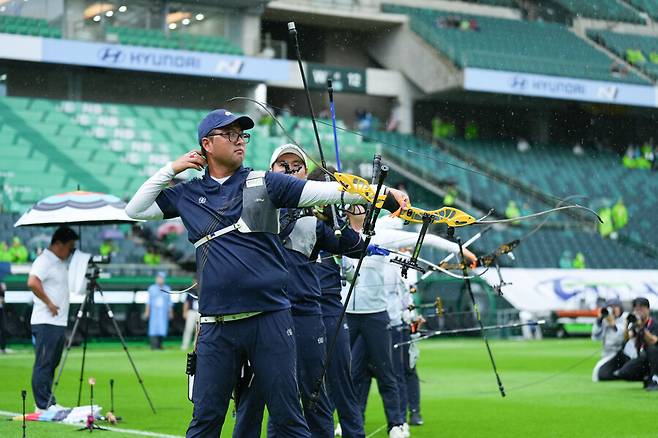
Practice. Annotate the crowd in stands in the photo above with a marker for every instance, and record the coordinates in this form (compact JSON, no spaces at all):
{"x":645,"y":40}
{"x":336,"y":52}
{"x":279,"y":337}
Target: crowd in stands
{"x":643,"y":157}
{"x":614,"y":219}
{"x":445,"y":128}
{"x":568,"y":261}
{"x":456,"y":22}
{"x":14,"y":253}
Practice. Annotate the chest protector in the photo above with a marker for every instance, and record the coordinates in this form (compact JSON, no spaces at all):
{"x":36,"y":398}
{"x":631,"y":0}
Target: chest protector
{"x":259,"y":215}
{"x":303,"y":236}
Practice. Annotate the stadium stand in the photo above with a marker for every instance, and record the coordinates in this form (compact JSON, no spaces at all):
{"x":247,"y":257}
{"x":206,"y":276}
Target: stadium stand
{"x":648,"y":6}
{"x":492,"y":43}
{"x":501,"y":3}
{"x":554,"y":169}
{"x":174,"y":40}
{"x":425,"y":159}
{"x":639,"y":50}
{"x":28,"y":26}
{"x":610,"y":10}
{"x":56,"y":146}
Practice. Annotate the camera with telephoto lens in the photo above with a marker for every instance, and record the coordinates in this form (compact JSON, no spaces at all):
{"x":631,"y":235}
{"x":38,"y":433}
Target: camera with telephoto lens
{"x":606,"y":311}
{"x":632,"y":320}
{"x":93,"y":270}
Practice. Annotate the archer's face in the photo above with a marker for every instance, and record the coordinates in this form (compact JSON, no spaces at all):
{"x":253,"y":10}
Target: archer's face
{"x":291,"y":163}
{"x":221,"y":150}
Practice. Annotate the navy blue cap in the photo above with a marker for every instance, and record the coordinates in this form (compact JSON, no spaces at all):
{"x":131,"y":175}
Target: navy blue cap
{"x":218,"y":119}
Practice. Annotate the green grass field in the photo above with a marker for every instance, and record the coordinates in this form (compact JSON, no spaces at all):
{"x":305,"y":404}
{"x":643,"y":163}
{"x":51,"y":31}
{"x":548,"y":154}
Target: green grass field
{"x":549,"y":392}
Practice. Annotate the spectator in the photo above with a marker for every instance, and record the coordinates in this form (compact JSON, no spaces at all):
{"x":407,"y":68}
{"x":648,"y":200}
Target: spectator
{"x":629,"y":157}
{"x":107,"y":248}
{"x":566,"y":261}
{"x":512,"y":211}
{"x":609,"y":328}
{"x":5,"y":255}
{"x":642,"y":330}
{"x":18,"y":252}
{"x":471,"y":131}
{"x":606,"y":227}
{"x":365,"y":122}
{"x":190,"y":315}
{"x":151,"y":257}
{"x":450,"y":196}
{"x":635,"y":56}
{"x":579,"y":261}
{"x":619,"y":215}
{"x":159,"y":311}
{"x":436,"y":127}
{"x":393,"y":122}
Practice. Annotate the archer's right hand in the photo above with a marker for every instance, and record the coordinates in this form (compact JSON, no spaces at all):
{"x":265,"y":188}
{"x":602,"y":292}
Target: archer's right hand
{"x":191,"y":160}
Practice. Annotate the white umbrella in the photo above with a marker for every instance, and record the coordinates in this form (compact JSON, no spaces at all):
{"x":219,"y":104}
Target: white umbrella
{"x":76,"y":208}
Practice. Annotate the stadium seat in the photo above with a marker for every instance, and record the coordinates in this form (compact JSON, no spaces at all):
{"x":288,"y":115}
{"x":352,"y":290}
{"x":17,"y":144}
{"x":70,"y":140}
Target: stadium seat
{"x":173,"y":40}
{"x":28,"y":26}
{"x":548,"y":48}
{"x":620,"y":44}
{"x":611,"y":10}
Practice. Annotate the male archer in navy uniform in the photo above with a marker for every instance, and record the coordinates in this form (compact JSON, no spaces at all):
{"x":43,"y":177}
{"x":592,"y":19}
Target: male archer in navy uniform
{"x":231,"y":215}
{"x":303,"y":236}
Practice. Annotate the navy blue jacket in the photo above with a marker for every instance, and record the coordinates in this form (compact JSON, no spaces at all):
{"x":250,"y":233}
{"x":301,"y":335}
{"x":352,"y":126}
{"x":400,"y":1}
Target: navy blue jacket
{"x":237,"y":272}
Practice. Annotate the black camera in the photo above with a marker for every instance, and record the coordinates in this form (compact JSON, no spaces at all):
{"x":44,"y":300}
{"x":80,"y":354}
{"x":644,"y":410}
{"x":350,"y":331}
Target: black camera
{"x":631,"y":318}
{"x":606,"y":311}
{"x":93,"y":270}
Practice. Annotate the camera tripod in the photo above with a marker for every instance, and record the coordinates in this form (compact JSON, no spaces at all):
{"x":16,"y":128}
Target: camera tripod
{"x":85,"y":312}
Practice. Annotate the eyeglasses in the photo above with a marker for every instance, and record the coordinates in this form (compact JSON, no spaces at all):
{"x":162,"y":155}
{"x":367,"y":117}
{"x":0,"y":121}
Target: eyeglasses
{"x":233,"y":136}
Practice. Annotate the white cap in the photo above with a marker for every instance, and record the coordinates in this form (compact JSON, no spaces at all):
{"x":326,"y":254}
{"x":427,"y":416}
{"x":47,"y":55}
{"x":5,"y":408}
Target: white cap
{"x":288,"y":148}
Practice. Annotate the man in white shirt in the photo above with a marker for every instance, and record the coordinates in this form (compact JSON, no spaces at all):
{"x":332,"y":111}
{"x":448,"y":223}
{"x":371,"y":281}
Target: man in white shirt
{"x":48,"y":280}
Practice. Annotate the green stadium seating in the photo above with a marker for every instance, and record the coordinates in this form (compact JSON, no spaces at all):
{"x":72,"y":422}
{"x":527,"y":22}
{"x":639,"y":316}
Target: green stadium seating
{"x":28,"y":26}
{"x":554,"y":169}
{"x":174,"y":40}
{"x":546,"y":48}
{"x":619,"y":44}
{"x":502,"y":3}
{"x":648,"y":6}
{"x":611,"y":10}
{"x":108,"y":147}
{"x":33,"y":166}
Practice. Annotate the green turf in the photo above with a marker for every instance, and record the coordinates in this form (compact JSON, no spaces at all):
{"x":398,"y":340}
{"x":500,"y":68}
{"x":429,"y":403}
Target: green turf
{"x":549,"y":392}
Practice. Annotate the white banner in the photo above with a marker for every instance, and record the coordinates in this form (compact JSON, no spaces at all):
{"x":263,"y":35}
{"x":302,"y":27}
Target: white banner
{"x":540,"y":290}
{"x":558,"y":87}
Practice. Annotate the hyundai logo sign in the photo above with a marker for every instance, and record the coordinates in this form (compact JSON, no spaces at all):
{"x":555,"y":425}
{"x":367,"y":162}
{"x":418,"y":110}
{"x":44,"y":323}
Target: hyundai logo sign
{"x":111,"y":55}
{"x":519,"y":82}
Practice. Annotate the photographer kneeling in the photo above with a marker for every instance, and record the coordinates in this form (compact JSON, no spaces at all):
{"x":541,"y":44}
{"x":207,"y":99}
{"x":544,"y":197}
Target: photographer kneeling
{"x":642,"y":329}
{"x":610,"y":328}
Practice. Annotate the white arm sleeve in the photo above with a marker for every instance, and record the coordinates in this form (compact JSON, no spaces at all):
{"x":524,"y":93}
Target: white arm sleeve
{"x":323,"y":193}
{"x":405,"y":239}
{"x":143,"y":205}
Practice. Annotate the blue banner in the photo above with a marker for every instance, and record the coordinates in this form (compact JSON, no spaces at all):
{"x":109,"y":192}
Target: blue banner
{"x":163,"y":60}
{"x":556,"y":87}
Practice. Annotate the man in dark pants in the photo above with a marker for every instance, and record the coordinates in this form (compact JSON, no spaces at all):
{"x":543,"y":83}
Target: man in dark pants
{"x":231,"y":215}
{"x":643,"y":329}
{"x":412,"y":381}
{"x":303,"y":236}
{"x":339,"y":375}
{"x":48,"y":280}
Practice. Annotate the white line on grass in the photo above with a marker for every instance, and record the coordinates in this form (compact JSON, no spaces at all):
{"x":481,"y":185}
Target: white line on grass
{"x":374,"y":432}
{"x":113,"y":429}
